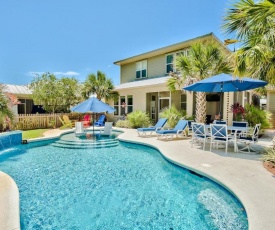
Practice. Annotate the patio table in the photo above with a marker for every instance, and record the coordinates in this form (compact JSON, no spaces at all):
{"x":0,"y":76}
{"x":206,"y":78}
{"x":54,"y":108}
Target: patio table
{"x":236,"y":129}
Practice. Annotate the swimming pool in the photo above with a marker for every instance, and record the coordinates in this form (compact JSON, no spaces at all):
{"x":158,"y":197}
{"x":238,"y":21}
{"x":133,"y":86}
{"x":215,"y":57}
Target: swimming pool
{"x":128,"y":186}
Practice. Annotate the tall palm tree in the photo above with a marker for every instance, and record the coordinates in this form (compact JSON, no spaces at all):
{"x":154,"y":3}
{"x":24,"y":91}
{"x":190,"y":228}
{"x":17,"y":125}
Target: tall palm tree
{"x":203,"y":60}
{"x":100,"y":85}
{"x":253,"y":24}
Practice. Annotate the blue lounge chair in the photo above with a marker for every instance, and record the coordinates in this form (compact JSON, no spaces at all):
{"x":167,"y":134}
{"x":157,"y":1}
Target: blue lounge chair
{"x":101,"y":120}
{"x":179,"y":129}
{"x":149,"y":130}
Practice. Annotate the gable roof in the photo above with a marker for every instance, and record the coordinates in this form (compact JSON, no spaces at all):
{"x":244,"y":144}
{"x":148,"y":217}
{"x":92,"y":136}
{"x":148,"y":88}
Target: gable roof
{"x":143,"y":83}
{"x":170,"y":48}
{"x":17,"y":89}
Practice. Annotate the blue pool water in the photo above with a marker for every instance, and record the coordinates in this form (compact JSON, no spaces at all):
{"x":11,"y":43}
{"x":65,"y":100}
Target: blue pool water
{"x":124,"y":187}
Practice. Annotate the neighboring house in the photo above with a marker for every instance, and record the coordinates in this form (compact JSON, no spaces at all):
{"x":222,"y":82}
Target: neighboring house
{"x":23,"y":95}
{"x":143,"y":84}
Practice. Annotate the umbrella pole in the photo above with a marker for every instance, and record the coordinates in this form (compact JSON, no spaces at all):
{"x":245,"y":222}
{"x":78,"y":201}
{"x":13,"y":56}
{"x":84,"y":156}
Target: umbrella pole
{"x":93,"y":124}
{"x":220,"y":115}
{"x":221,"y":102}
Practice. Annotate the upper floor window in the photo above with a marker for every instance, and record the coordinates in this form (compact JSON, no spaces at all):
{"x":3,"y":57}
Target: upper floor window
{"x":170,"y":58}
{"x":141,"y":69}
{"x":169,"y":63}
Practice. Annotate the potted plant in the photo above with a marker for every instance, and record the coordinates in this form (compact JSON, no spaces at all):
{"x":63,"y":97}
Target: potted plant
{"x":238,"y":111}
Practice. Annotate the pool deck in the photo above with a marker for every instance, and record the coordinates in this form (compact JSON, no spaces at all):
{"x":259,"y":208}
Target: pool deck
{"x":242,"y":174}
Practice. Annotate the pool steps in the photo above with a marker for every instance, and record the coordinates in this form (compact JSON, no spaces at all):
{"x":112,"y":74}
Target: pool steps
{"x":83,"y":144}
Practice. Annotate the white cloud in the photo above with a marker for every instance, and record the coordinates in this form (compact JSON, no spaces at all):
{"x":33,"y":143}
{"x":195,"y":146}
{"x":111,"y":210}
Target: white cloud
{"x":68,"y":73}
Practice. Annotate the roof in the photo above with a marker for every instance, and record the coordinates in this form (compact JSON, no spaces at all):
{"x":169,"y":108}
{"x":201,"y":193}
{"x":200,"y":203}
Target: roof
{"x":143,"y":83}
{"x":170,"y":48}
{"x":17,"y":89}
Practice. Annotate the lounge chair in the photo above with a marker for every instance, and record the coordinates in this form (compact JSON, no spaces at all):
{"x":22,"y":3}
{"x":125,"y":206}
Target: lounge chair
{"x":79,"y":129}
{"x":66,"y":123}
{"x":149,"y":130}
{"x":179,"y":129}
{"x":101,"y":120}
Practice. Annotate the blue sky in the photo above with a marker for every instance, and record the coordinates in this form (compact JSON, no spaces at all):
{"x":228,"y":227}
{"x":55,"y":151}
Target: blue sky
{"x":79,"y":37}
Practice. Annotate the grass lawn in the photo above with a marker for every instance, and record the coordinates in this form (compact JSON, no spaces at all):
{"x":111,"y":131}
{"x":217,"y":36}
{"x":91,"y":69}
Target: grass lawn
{"x":29,"y":134}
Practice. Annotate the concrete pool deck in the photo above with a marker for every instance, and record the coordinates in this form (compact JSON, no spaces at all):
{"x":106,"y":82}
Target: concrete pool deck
{"x":242,"y":174}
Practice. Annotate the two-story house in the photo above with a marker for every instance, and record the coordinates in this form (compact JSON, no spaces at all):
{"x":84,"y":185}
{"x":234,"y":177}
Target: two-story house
{"x":144,"y":78}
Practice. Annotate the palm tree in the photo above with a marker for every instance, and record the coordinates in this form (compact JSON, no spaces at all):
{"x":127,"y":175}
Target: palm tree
{"x":203,"y":60}
{"x":5,"y":110}
{"x":253,"y":25}
{"x":100,"y":85}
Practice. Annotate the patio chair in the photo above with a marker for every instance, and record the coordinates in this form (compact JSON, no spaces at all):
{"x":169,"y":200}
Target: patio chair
{"x":67,"y":120}
{"x":86,"y":120}
{"x":219,"y":122}
{"x":239,"y":124}
{"x":219,"y":134}
{"x":65,"y":123}
{"x":101,"y":120}
{"x":107,"y":128}
{"x":149,"y":130}
{"x":199,"y":134}
{"x":179,"y":129}
{"x":79,"y":129}
{"x":251,"y":138}
{"x":190,"y":126}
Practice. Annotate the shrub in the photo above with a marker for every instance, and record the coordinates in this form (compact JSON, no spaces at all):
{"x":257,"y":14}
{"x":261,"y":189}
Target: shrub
{"x":123,"y":124}
{"x":254,"y":115}
{"x":173,"y":115}
{"x":138,"y":119}
{"x":269,"y":155}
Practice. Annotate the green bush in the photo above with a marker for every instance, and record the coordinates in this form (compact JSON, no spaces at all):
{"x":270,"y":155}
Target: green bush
{"x":269,"y":155}
{"x":254,"y":115}
{"x":123,"y":124}
{"x":173,"y":115}
{"x":138,"y":119}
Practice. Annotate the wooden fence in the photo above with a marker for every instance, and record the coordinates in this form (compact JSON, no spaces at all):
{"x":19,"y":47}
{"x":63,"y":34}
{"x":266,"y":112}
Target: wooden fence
{"x":43,"y":121}
{"x":37,"y":121}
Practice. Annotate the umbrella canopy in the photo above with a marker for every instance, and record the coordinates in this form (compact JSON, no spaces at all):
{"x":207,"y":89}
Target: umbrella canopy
{"x":93,"y":105}
{"x":225,"y":83}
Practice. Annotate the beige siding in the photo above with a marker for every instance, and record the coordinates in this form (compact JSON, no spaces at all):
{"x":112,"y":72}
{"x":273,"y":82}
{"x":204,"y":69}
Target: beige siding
{"x":128,"y":73}
{"x":156,"y":66}
{"x":176,"y":99}
{"x":271,"y":106}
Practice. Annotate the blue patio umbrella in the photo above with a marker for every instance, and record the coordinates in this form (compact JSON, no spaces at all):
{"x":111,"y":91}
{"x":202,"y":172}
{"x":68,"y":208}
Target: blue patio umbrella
{"x":94,"y":106}
{"x":225,"y":83}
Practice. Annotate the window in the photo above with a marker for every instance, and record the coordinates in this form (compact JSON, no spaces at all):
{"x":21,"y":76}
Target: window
{"x":183,"y":102}
{"x":170,"y":58}
{"x":129,"y":103}
{"x":116,"y":107}
{"x":141,"y":69}
{"x":169,"y":63}
{"x":123,"y":105}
